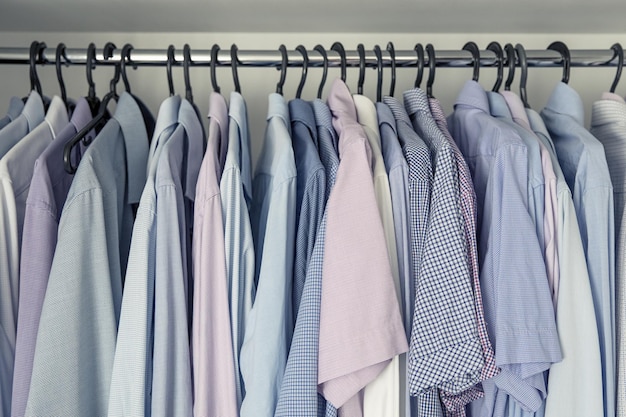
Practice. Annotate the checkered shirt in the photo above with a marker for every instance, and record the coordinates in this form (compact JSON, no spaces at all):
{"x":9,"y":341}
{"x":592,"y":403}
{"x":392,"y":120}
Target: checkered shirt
{"x":298,"y":395}
{"x":455,"y":404}
{"x":445,"y":299}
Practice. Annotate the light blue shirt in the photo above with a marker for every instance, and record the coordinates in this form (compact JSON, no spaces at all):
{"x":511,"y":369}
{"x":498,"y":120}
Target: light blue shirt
{"x":15,"y":108}
{"x":131,"y":381}
{"x":31,"y":116}
{"x":236,"y":193}
{"x":584,"y":165}
{"x":273,"y":218}
{"x":78,"y":327}
{"x":536,"y":183}
{"x":176,"y":178}
{"x":311,"y":187}
{"x":516,"y":297}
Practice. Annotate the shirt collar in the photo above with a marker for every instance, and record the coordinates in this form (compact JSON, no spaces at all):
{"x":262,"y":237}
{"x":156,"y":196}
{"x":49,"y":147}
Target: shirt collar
{"x":518,"y":111}
{"x":497,"y":106}
{"x":415,"y":101}
{"x":56,"y":117}
{"x":473,"y":95}
{"x":130,"y":119}
{"x":188,"y":118}
{"x":238,"y":113}
{"x":565,"y":100}
{"x":366,"y":111}
{"x":277,"y":107}
{"x":324,"y":122}
{"x":341,"y":104}
{"x":302,"y":112}
{"x":218,"y":111}
{"x":613,"y":97}
{"x":385,"y":116}
{"x":81,"y":115}
{"x":536,"y":123}
{"x":33,"y":110}
{"x":398,"y":111}
{"x":16,"y":105}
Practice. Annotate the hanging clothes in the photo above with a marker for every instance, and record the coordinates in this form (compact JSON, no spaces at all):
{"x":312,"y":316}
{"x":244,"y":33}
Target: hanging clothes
{"x":16,"y":105}
{"x":82,"y":303}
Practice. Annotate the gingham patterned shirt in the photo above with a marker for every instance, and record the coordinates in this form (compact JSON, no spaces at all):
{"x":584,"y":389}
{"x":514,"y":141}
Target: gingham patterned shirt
{"x":298,"y":395}
{"x":455,"y":404}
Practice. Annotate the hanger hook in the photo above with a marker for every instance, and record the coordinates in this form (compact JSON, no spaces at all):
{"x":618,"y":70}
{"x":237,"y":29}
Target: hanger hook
{"x":379,"y":70}
{"x":305,"y":68}
{"x":521,"y":54}
{"x":126,"y":57}
{"x":561,"y":48}
{"x":214,"y":51}
{"x":283,"y":68}
{"x":91,"y":64}
{"x":619,"y":53}
{"x":60,"y":53}
{"x":473,"y":48}
{"x":234,"y":61}
{"x":432,"y":64}
{"x":511,"y":61}
{"x":36,"y":51}
{"x":107,"y":52}
{"x":338,"y":47}
{"x":361,"y":49}
{"x":392,"y":54}
{"x":419,"y":50}
{"x":171,"y":60}
{"x":186,"y":64}
{"x":496,"y":48}
{"x":320,"y":49}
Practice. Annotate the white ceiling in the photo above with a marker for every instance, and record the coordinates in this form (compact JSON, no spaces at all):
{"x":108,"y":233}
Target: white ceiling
{"x":333,"y":16}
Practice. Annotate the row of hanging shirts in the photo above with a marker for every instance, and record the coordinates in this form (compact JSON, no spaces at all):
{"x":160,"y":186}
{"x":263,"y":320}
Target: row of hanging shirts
{"x":382,"y":260}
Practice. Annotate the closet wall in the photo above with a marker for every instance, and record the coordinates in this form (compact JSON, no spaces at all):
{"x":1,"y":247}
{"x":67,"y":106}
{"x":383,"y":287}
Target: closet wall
{"x":150,"y":83}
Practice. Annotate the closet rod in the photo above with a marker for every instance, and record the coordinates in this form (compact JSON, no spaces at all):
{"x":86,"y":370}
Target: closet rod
{"x":272,"y":58}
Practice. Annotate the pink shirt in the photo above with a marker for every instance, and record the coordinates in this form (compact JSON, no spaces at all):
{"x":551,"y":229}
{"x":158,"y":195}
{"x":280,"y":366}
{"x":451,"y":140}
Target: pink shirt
{"x":551,"y":209}
{"x":212,"y":346}
{"x":360,"y":325}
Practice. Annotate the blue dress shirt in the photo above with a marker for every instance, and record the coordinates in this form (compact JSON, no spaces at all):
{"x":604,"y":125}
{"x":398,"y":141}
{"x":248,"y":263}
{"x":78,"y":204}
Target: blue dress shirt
{"x":16,"y":105}
{"x":517,"y":301}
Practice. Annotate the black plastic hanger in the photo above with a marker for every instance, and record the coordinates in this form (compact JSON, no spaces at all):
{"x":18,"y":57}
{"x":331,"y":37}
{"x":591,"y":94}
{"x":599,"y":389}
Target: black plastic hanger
{"x":419,"y":50}
{"x":92,"y":99}
{"x":186,"y":63}
{"x":101,"y":117}
{"x":619,"y":53}
{"x":126,"y":57}
{"x":561,"y":48}
{"x":36,"y":49}
{"x":497,"y":49}
{"x":432,"y":64}
{"x":338,"y":47}
{"x":305,"y":68}
{"x":392,"y":55}
{"x":511,"y":61}
{"x":361,"y":49}
{"x":171,"y":60}
{"x":283,"y":69}
{"x":214,"y":51}
{"x":60,"y":54}
{"x":521,"y":55}
{"x":320,"y":49}
{"x":233,"y":65}
{"x":473,"y":48}
{"x":379,"y":70}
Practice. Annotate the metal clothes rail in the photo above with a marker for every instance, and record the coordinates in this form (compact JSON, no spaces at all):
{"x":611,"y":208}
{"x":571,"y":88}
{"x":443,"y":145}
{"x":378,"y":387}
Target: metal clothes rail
{"x":273,"y":58}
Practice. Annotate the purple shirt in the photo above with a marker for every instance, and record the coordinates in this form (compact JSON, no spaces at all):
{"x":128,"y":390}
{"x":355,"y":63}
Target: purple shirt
{"x":48,"y":190}
{"x":212,"y":346}
{"x":361,"y":328}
